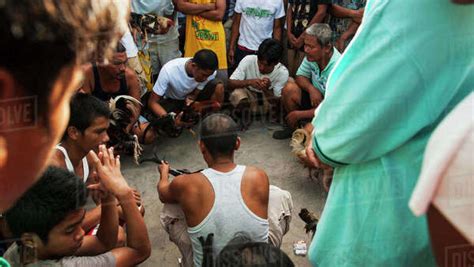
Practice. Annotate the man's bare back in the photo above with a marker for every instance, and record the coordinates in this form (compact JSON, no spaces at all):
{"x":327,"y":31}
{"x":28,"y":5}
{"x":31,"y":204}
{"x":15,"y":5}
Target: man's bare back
{"x":195,"y":194}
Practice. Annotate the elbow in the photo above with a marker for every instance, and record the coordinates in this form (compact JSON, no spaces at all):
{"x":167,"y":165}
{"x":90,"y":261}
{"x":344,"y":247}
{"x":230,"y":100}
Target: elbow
{"x":146,"y":252}
{"x":179,"y":6}
{"x":160,"y":195}
{"x":142,"y":254}
{"x":163,"y":196}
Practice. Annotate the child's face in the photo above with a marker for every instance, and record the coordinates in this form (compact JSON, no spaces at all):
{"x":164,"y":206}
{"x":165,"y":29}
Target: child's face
{"x":66,"y":237}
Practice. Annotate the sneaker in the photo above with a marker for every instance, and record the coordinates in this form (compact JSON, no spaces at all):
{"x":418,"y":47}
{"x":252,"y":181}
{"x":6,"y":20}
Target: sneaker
{"x":286,"y":133}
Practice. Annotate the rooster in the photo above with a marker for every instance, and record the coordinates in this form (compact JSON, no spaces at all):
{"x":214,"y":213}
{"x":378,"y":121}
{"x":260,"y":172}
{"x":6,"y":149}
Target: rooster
{"x":299,"y":142}
{"x":125,"y":111}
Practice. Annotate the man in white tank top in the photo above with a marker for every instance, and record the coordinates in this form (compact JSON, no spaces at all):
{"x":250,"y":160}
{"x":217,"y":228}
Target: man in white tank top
{"x":224,"y":200}
{"x":87,"y":129}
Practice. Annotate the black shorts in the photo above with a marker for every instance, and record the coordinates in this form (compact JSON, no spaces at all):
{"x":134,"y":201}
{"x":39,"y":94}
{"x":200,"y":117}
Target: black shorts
{"x":305,"y":101}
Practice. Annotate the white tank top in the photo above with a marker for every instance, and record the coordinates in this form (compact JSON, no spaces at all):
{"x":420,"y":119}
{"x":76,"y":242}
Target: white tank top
{"x":85,"y":165}
{"x":229,"y":215}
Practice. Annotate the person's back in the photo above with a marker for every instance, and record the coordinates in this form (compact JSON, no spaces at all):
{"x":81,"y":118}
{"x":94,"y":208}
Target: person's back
{"x":231,"y":211}
{"x":223,"y":200}
{"x":378,"y":156}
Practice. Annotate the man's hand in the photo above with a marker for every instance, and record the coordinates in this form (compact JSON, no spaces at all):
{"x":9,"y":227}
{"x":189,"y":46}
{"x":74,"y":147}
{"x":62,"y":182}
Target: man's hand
{"x":292,"y":118}
{"x":179,"y":123}
{"x":358,"y":15}
{"x":230,"y":56}
{"x":108,"y":171}
{"x":96,"y":189}
{"x":164,"y":169}
{"x":260,"y":84}
{"x":138,"y":198}
{"x":300,"y":41}
{"x":313,"y":158}
{"x":292,"y":39}
{"x":315,"y":97}
{"x":267,"y":87}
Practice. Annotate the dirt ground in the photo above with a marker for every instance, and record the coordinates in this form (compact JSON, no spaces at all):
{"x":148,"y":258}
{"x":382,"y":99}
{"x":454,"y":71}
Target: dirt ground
{"x":258,"y":148}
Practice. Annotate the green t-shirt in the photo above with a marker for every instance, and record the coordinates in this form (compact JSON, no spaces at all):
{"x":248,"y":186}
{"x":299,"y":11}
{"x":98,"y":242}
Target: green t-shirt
{"x":407,"y":67}
{"x":311,"y":71}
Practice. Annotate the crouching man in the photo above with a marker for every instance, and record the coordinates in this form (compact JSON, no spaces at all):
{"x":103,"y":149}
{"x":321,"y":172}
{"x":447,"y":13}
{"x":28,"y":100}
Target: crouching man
{"x":225,"y":199}
{"x":47,"y":220}
{"x":259,"y":79}
{"x":183,"y":81}
{"x":302,"y":96}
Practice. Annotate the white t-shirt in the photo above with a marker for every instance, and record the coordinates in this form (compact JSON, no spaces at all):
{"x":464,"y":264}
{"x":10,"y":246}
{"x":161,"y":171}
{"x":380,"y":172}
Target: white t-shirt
{"x":248,"y":69}
{"x":173,"y":81}
{"x":257,"y":13}
{"x":129,"y":44}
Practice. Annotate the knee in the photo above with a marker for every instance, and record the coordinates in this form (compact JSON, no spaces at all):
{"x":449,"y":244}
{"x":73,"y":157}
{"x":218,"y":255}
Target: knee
{"x":121,"y":237}
{"x":290,"y":90}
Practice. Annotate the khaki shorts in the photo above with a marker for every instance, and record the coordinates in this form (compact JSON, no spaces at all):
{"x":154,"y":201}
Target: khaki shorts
{"x":240,"y":94}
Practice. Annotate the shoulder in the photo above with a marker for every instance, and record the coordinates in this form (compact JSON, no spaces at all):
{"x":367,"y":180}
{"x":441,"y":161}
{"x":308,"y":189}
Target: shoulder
{"x":187,"y":184}
{"x":255,"y":175}
{"x":175,"y":63}
{"x":250,"y":58}
{"x":88,"y":71}
{"x":181,"y":183}
{"x":255,"y":182}
{"x":131,"y":78}
{"x":281,"y":71}
{"x":88,"y":78}
{"x":130,"y":74}
{"x":57,"y":159}
{"x":247,"y":62}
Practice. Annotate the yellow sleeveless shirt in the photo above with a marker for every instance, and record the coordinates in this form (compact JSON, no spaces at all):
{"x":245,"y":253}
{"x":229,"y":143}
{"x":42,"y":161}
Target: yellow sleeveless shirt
{"x":202,"y":33}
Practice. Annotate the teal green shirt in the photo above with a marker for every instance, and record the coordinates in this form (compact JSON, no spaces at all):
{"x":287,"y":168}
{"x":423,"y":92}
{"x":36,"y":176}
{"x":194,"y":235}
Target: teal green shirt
{"x":409,"y":64}
{"x":311,"y":71}
{"x":4,"y":263}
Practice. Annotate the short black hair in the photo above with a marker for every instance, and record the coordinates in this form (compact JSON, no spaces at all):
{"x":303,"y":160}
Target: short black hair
{"x":206,"y":59}
{"x":270,"y":50}
{"x":57,"y":193}
{"x":218,"y":132}
{"x":85,"y":109}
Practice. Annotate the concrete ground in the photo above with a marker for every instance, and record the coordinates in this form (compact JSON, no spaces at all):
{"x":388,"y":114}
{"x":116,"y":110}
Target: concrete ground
{"x":258,"y":148}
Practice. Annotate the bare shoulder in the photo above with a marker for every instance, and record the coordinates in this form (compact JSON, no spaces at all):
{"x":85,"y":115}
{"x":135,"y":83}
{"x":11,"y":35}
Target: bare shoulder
{"x":87,"y":70}
{"x":88,"y":78}
{"x":256,"y":176}
{"x":255,"y":172}
{"x":187,"y":182}
{"x":130,"y":74}
{"x":57,"y":159}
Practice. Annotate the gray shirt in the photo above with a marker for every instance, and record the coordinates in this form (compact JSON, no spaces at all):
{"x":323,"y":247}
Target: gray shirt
{"x":12,"y":255}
